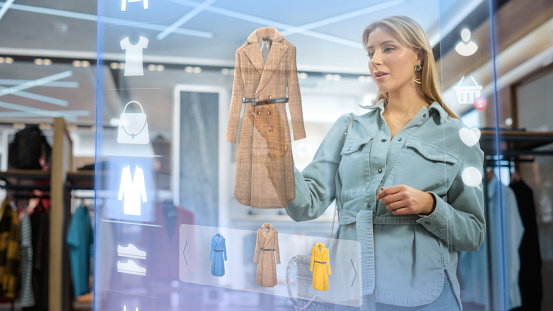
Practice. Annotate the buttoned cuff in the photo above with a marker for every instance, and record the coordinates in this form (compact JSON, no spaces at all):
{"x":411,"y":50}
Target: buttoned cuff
{"x":435,"y":220}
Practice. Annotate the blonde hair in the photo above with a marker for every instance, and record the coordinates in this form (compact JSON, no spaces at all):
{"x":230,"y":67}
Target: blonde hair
{"x":412,"y":35}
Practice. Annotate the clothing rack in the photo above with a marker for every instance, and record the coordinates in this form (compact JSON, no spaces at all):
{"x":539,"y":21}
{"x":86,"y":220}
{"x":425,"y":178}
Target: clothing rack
{"x":19,"y":182}
{"x":501,"y":148}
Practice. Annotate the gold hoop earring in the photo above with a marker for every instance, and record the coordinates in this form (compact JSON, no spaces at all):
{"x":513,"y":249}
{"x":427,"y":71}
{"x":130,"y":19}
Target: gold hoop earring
{"x":417,"y":68}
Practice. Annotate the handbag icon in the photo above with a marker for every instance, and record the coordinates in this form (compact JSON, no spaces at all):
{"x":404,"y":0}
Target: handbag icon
{"x":133,"y":127}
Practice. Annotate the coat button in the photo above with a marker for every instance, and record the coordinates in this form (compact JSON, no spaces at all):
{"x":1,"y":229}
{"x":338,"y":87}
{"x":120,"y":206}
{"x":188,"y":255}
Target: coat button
{"x":270,"y":97}
{"x":400,"y":139}
{"x":349,"y":148}
{"x":379,"y":170}
{"x":424,"y":115}
{"x":383,"y":140}
{"x":369,"y":205}
{"x":258,"y":96}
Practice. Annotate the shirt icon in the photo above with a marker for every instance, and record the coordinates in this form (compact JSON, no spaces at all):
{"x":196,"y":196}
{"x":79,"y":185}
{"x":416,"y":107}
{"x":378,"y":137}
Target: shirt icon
{"x":124,"y":4}
{"x":131,"y":190}
{"x":133,"y":56}
{"x":466,"y":47}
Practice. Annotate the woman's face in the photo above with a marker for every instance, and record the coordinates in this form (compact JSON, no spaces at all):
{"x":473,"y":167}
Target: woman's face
{"x":391,"y":63}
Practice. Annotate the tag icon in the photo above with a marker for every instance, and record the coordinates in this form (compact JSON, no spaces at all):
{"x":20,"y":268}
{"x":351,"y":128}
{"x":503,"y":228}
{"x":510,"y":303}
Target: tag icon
{"x":133,"y":127}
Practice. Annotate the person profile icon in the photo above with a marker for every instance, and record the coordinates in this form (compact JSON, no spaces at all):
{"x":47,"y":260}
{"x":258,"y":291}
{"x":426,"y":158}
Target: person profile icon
{"x":466,"y":47}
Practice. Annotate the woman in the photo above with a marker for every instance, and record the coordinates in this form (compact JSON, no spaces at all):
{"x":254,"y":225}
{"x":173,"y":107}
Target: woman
{"x":403,"y":178}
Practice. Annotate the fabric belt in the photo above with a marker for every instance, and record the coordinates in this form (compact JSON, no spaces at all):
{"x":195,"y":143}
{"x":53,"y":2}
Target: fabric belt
{"x":364,"y":225}
{"x":267,"y":249}
{"x":319,"y":261}
{"x":217,"y":250}
{"x":265,"y":101}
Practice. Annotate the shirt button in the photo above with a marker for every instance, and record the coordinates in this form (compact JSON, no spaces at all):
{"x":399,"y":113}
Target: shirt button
{"x":349,"y":148}
{"x":424,"y":115}
{"x":400,"y":139}
{"x":369,"y":205}
{"x":258,"y":96}
{"x":379,"y":170}
{"x":383,"y":140}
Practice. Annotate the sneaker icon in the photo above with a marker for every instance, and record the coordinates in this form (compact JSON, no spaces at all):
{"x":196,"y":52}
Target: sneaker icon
{"x":130,"y":267}
{"x":130,"y":251}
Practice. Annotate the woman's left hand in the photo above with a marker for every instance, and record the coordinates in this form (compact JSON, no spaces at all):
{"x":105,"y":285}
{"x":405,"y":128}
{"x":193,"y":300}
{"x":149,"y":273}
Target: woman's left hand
{"x":404,"y":200}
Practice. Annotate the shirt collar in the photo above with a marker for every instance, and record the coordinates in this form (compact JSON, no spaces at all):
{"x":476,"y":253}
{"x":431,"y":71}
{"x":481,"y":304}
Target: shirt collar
{"x":434,"y":106}
{"x":271,"y":32}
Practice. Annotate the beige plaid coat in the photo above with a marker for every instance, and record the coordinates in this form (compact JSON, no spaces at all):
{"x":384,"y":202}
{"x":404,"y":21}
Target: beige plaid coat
{"x":264,"y":166}
{"x":266,"y":249}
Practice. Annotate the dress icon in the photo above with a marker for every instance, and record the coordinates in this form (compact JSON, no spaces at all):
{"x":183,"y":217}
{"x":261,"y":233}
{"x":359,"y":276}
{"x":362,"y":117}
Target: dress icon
{"x":132,"y":190}
{"x":218,"y":255}
{"x":466,"y":47}
{"x":266,"y":249}
{"x":320,"y":265}
{"x":133,"y":56}
{"x":124,"y":4}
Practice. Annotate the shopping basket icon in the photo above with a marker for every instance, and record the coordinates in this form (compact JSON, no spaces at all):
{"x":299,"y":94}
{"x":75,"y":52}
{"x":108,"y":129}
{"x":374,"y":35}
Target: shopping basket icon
{"x":467,"y":94}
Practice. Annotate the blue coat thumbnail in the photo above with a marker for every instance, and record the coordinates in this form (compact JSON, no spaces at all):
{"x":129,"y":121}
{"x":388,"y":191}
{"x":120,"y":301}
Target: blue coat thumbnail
{"x":218,"y":255}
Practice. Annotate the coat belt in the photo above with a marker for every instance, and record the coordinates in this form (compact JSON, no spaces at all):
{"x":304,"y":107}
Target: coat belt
{"x":265,"y":101}
{"x":267,"y":249}
{"x":218,"y":250}
{"x":364,"y":221}
{"x":319,"y":261}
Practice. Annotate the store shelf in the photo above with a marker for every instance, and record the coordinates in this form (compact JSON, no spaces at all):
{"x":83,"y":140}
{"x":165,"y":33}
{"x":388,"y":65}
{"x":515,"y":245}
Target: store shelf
{"x":80,"y":180}
{"x":25,"y":180}
{"x":513,"y":142}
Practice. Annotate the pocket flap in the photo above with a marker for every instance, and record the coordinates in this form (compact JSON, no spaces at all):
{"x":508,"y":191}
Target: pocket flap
{"x":353,"y":145}
{"x":430,"y":152}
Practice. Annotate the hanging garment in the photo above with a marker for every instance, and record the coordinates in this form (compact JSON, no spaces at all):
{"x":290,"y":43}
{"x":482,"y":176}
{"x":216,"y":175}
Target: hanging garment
{"x":266,"y":248}
{"x":474,"y":271}
{"x":264,"y":166}
{"x":27,"y":298}
{"x":40,"y":224}
{"x":218,"y":255}
{"x":133,"y":56}
{"x":10,"y":256}
{"x":132,"y":189}
{"x":320,"y":265}
{"x":79,"y":238}
{"x":530,"y":279}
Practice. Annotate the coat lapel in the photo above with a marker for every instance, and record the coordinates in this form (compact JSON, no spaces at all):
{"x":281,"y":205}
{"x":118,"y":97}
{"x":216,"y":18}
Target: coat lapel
{"x":254,"y":54}
{"x":278,"y":50}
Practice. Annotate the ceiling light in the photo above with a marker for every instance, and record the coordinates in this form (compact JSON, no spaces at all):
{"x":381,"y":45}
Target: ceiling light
{"x":151,"y":67}
{"x":47,"y":62}
{"x":85,"y":63}
{"x":121,"y":65}
{"x":19,"y":126}
{"x":329,"y":77}
{"x":1,"y":60}
{"x":44,"y":126}
{"x":362,"y":79}
{"x":114,"y":65}
{"x":336,"y":77}
{"x":188,"y":69}
{"x":9,"y":60}
{"x":224,"y":71}
{"x":197,"y":69}
{"x":77,"y":63}
{"x":303,"y":75}
{"x":160,"y":67}
{"x":38,"y":61}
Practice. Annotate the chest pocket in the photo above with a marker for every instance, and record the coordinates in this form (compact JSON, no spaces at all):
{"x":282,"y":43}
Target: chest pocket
{"x":425,"y":167}
{"x":354,"y":168}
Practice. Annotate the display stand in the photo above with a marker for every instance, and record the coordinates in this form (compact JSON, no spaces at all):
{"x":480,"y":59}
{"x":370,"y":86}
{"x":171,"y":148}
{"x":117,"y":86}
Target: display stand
{"x":53,"y":183}
{"x":503,"y":148}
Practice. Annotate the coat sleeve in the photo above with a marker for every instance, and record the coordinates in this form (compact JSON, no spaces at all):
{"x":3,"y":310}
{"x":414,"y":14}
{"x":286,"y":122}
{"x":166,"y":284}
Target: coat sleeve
{"x":123,"y":184}
{"x":458,"y":220}
{"x":236,"y":101}
{"x":312,"y":259}
{"x":142,"y":184}
{"x":294,"y":99}
{"x":225,"y":249}
{"x":256,"y":254}
{"x":277,"y":252}
{"x":327,"y":260}
{"x":316,"y":185}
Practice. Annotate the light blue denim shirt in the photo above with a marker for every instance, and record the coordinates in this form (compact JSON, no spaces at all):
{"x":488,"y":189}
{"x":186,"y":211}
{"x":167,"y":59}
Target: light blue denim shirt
{"x":403,"y":258}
